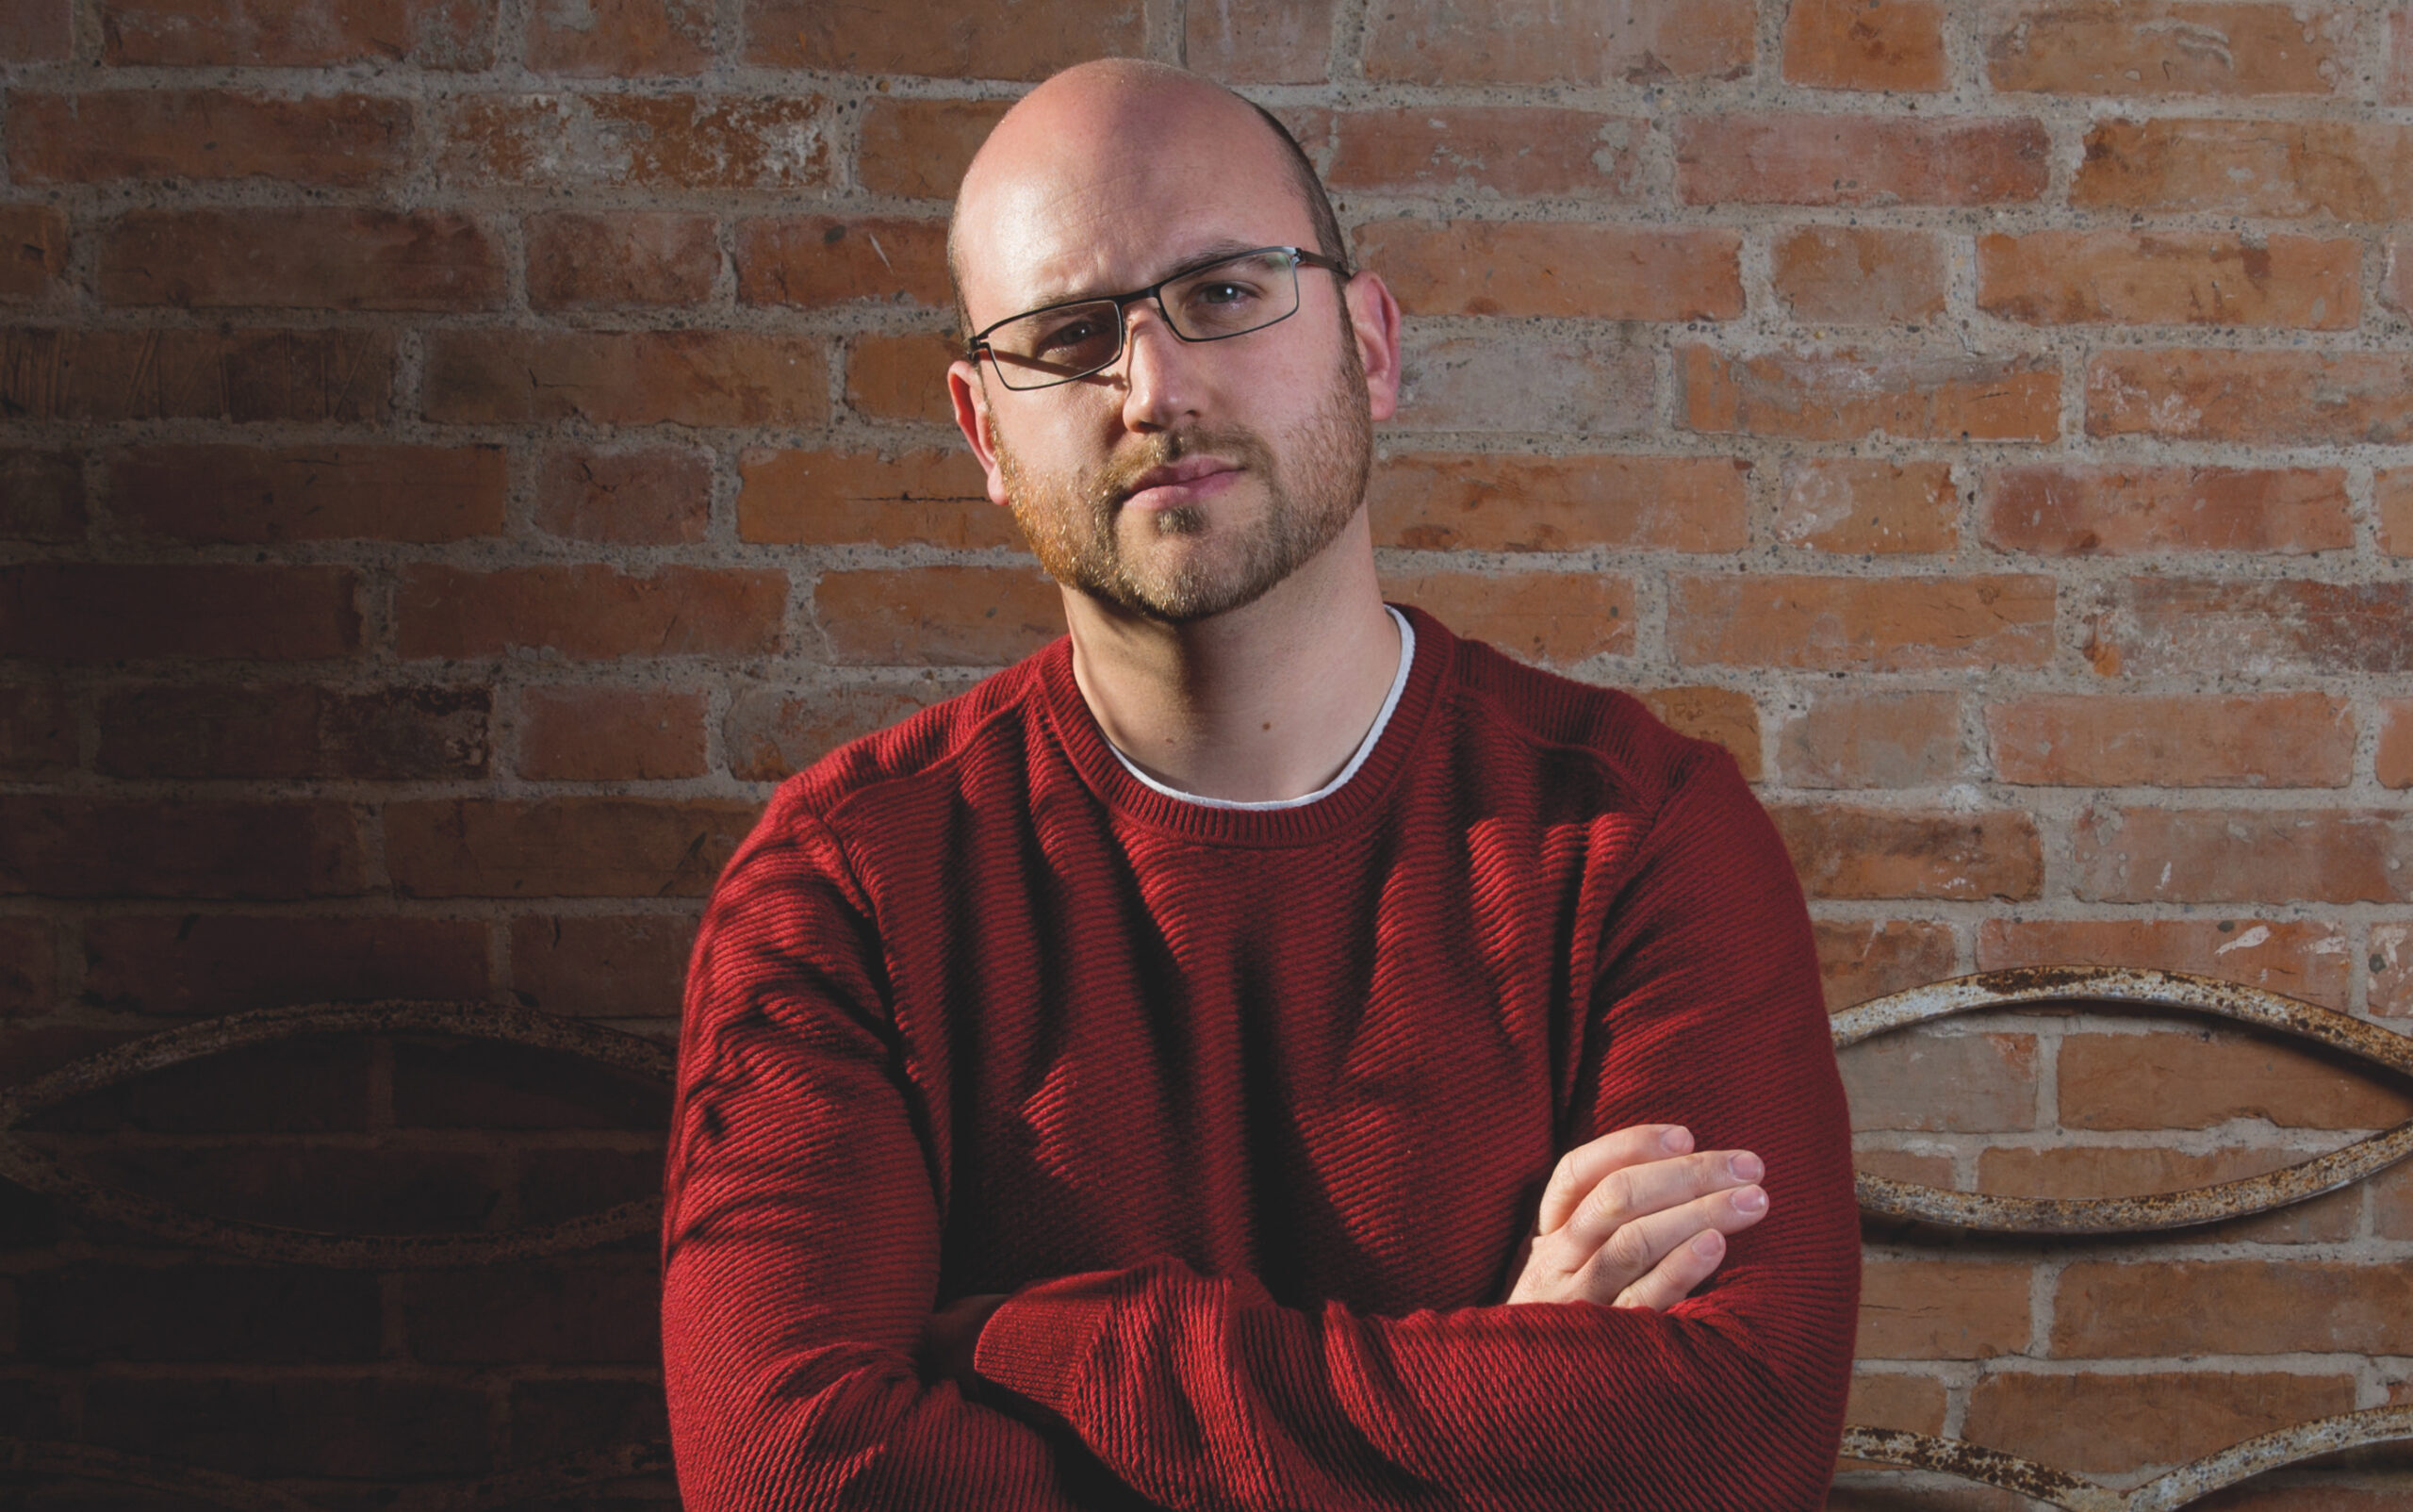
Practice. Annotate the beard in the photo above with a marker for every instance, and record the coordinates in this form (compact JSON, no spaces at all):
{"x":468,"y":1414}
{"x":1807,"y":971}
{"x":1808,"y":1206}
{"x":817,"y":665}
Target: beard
{"x":1071,"y":524}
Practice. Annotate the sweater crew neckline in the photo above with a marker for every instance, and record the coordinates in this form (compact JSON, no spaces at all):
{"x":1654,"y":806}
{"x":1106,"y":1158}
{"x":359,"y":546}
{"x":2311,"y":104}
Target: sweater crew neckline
{"x":1106,"y":774}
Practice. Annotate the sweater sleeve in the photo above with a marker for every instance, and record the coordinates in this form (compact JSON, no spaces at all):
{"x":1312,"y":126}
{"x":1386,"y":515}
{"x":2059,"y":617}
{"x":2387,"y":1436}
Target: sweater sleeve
{"x":800,"y":1233}
{"x":1202,"y":1392}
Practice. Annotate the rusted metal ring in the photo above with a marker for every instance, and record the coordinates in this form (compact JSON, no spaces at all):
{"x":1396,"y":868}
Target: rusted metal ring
{"x":1987,"y":1213}
{"x":89,"y":1462}
{"x":507,"y":1023}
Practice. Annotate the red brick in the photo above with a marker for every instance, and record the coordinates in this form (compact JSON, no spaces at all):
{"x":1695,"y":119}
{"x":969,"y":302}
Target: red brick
{"x":435,"y":34}
{"x":554,"y":1420}
{"x":41,"y":496}
{"x":2152,"y":626}
{"x":1846,"y":504}
{"x":1860,"y":276}
{"x":336,"y":141}
{"x":561,"y":847}
{"x":2266,"y":740}
{"x":1528,"y":382}
{"x":2232,"y":1307}
{"x":2299,"y":959}
{"x":28,"y":966}
{"x":2275,"y":398}
{"x":197,"y":373}
{"x":37,"y":31}
{"x":937,"y":615}
{"x":474,"y":1084}
{"x":2392,"y":500}
{"x":2139,"y":855}
{"x":293,"y":731}
{"x":644,"y":496}
{"x":2202,"y":1078}
{"x":2360,"y":172}
{"x":1791,"y":158}
{"x":315,"y":1187}
{"x":1845,"y":740}
{"x":2124,"y":1171}
{"x":2395,"y":761}
{"x":220,"y":963}
{"x":1509,"y":502}
{"x":620,"y":39}
{"x":198,"y":1313}
{"x":1848,"y":396}
{"x":626,"y":378}
{"x":92,"y":613}
{"x":358,"y":1429}
{"x":1882,"y":853}
{"x":2114,"y":1424}
{"x":566,"y":1312}
{"x":1861,"y":958}
{"x":33,"y":251}
{"x":814,"y":260}
{"x":2392,"y":1202}
{"x":626,"y":965}
{"x":581,"y":735}
{"x":1526,"y":268}
{"x":1259,"y":41}
{"x":2171,"y":47}
{"x":620,"y":259}
{"x":589,"y":612}
{"x":944,"y":38}
{"x":1585,"y":42}
{"x":683,"y":142}
{"x":313,"y":259}
{"x":2170,"y":279}
{"x":1861,"y":624}
{"x":2398,"y":87}
{"x":1941,"y":1083}
{"x":38,"y":733}
{"x":923,"y":496}
{"x":1865,"y":44}
{"x":64,"y":846}
{"x":1943,"y":1309}
{"x":1913,"y":1404}
{"x":1556,"y":618}
{"x":1513,"y":151}
{"x":774,"y":731}
{"x":901,"y":377}
{"x":1724,"y":716}
{"x":918,"y":149}
{"x":2068,"y":510}
{"x":332,"y":491}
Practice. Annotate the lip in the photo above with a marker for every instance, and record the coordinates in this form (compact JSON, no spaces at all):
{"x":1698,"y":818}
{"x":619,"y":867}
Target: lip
{"x":1186,"y":482}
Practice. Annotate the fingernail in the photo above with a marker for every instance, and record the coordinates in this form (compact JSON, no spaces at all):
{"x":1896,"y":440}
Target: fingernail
{"x":1708,"y":1242}
{"x":1750,"y":1200}
{"x":1746,"y":1167}
{"x":1675,"y":1139}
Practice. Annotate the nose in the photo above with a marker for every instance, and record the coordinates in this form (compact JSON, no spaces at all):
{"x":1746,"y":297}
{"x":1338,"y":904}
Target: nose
{"x":1160,"y":371}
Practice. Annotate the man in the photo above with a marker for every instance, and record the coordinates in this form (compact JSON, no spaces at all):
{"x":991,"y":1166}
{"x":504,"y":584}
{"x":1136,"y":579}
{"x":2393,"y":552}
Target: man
{"x":1261,"y":1052}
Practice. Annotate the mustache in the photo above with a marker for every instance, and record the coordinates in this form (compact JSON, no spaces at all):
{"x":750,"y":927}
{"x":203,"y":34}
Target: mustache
{"x":1119,"y":481}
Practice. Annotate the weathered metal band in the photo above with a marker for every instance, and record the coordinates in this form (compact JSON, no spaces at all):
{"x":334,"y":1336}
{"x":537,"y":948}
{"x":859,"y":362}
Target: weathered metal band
{"x":1986,"y":1213}
{"x":533,"y":1485}
{"x":31,"y":1168}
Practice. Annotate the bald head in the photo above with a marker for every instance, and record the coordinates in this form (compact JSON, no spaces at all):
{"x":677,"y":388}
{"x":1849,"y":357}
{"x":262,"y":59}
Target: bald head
{"x":1107,"y":134}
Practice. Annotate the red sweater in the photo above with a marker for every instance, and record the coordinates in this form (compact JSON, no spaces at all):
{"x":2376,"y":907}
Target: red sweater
{"x":1249,"y":1110}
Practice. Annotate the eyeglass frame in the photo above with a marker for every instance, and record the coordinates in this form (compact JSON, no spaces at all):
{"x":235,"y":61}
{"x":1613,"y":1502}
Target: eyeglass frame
{"x":1300,"y":256}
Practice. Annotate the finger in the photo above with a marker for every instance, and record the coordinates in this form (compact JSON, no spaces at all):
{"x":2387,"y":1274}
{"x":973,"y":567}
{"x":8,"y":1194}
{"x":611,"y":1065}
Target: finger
{"x":1674,"y":1277}
{"x":1637,"y":1247}
{"x":1584,"y":1167}
{"x":1655,"y":1186}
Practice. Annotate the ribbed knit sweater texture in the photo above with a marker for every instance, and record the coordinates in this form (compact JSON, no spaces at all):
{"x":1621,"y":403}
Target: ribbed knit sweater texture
{"x":1249,"y":1110}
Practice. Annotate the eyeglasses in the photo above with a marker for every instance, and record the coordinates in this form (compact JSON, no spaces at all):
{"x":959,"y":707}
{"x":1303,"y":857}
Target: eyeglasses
{"x":1231,"y":296}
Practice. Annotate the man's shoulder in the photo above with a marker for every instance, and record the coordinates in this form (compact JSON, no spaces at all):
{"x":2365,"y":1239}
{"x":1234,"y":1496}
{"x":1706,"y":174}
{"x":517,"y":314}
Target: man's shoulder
{"x":1558,"y":719}
{"x":939,"y":745}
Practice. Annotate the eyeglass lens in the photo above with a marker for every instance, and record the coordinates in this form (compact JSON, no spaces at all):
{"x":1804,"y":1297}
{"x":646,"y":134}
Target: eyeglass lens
{"x":1229,"y":298}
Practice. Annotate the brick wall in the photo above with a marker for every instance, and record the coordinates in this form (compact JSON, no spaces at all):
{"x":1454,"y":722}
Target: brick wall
{"x":455,"y":456}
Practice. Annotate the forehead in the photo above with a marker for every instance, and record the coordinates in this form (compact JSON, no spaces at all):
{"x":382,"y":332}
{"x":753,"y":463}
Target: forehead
{"x":1106,"y":210}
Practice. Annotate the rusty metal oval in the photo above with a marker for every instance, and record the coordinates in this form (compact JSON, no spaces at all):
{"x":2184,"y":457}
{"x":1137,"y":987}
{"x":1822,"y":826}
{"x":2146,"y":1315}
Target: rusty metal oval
{"x":1985,"y":1213}
{"x":509,"y":1024}
{"x":20,"y":1458}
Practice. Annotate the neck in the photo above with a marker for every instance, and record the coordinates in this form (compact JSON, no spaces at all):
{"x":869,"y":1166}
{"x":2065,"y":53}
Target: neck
{"x":1268,"y":701}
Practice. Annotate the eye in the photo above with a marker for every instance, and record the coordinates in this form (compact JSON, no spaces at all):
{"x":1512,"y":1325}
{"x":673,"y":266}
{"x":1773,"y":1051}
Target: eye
{"x":1073,"y":333}
{"x":1222,"y":291}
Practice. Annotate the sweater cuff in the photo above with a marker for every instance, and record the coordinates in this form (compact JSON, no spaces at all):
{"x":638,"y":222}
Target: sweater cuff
{"x":1037,"y":1344}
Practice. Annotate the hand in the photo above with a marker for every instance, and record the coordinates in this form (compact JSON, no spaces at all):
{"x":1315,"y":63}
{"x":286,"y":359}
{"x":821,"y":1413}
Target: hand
{"x":1635,"y":1220}
{"x":954,"y":1333}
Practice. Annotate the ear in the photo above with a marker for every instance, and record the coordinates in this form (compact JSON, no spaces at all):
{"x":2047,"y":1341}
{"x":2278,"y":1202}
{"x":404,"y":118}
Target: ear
{"x":970,"y":397}
{"x":1373,"y":315}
